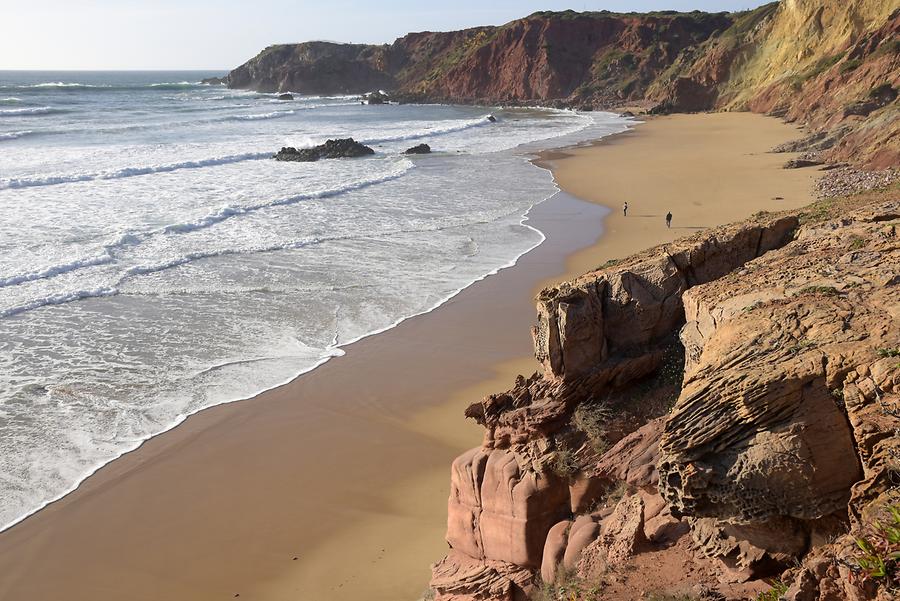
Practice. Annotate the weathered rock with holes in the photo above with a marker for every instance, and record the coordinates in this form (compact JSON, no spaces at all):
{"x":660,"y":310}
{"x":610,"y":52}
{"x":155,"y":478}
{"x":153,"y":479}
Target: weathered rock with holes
{"x":763,"y":441}
{"x":623,"y":309}
{"x":785,"y":415}
{"x":459,"y":577}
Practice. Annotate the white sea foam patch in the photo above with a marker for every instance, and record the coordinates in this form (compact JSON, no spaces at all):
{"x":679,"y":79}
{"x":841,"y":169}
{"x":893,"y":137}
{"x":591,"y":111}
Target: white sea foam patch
{"x":14,"y":135}
{"x":52,"y":180}
{"x":259,"y":116}
{"x":58,"y":299}
{"x":134,"y":238}
{"x":431,"y":130}
{"x":227,"y":212}
{"x":30,"y":110}
{"x":10,"y":100}
{"x":55,"y":270}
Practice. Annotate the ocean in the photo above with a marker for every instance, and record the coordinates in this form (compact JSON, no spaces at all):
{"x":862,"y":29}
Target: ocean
{"x":155,"y":261}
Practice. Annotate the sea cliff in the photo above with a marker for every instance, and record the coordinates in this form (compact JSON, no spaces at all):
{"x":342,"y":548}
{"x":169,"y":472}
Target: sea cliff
{"x":832,"y":66}
{"x":727,"y":402}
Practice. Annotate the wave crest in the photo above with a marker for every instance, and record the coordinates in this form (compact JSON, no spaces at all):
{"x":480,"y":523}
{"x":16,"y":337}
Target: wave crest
{"x":56,"y":270}
{"x":436,"y":131}
{"x":13,"y":135}
{"x":58,"y":299}
{"x":52,"y":180}
{"x":31,"y":110}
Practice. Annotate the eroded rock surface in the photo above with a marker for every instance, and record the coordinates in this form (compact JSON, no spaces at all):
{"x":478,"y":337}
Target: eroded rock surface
{"x":783,"y":434}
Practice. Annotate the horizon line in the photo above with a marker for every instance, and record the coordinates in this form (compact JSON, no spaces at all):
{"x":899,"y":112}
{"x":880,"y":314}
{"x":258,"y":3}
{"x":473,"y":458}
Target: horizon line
{"x":120,"y":70}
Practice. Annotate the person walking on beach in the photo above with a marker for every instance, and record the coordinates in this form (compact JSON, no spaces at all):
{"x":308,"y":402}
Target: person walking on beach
{"x":669,"y":219}
{"x":625,"y":209}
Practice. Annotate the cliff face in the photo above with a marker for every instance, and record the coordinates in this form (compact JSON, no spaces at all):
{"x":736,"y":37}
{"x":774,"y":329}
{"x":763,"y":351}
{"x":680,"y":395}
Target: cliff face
{"x":830,"y":64}
{"x":315,"y":68}
{"x":727,"y":404}
{"x":566,"y":56}
{"x":546,"y":56}
{"x":834,"y":66}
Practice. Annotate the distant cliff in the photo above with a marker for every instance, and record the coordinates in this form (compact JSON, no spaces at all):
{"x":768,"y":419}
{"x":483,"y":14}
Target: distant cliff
{"x":832,"y":65}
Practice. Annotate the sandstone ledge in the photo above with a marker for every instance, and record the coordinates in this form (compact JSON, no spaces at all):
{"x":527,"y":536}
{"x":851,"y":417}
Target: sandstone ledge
{"x":780,"y":437}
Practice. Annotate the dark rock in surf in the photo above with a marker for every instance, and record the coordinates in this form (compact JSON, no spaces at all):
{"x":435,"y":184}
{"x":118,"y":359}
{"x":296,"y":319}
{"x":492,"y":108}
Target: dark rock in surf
{"x":377,"y":98}
{"x":420,"y":149}
{"x":214,"y":81}
{"x":332,"y":149}
{"x":285,"y":97}
{"x":492,"y":118}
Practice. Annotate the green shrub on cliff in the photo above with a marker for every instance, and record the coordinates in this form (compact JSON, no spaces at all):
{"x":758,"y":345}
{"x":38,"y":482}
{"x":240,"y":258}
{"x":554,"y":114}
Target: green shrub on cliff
{"x":563,"y":463}
{"x":591,"y":418}
{"x":878,"y":558}
{"x":773,"y":594}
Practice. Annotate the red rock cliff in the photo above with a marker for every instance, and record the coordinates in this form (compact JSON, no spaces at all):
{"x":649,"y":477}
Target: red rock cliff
{"x":832,"y":65}
{"x":727,"y":404}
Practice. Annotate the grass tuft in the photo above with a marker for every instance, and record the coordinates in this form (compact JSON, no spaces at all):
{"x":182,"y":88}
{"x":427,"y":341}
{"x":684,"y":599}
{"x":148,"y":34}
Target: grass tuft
{"x":878,"y":556}
{"x":773,"y":594}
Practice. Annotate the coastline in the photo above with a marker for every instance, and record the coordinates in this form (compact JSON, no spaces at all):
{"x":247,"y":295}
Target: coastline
{"x":335,"y":349}
{"x":219,"y":498}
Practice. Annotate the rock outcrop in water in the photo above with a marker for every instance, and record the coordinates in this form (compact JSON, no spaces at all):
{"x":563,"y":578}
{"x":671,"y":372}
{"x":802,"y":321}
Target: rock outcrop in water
{"x":728,"y":403}
{"x":833,"y":66}
{"x":418,"y":149}
{"x":332,"y":149}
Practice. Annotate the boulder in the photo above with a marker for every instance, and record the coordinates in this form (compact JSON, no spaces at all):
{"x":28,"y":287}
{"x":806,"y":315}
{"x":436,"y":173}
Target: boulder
{"x":500,"y":510}
{"x":623,"y":531}
{"x":620,"y":536}
{"x":800,"y":163}
{"x":418,"y":149}
{"x":285,"y":96}
{"x":376,"y":98}
{"x":492,"y":118}
{"x":584,"y":531}
{"x":332,"y":149}
{"x":554,"y":550}
{"x":633,"y":459}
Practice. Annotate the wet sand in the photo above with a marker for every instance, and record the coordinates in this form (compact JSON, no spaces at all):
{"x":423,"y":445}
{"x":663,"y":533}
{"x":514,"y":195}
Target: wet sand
{"x":334,"y":486}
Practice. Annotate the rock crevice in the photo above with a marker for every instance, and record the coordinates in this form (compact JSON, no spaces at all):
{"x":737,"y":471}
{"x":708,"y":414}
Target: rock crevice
{"x":776,"y":434}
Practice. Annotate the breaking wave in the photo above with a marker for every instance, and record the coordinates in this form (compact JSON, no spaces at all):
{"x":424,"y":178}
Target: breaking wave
{"x":52,"y":180}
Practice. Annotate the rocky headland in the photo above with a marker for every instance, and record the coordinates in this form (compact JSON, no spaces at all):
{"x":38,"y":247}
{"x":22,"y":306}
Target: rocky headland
{"x":832,"y":66}
{"x":709,"y":413}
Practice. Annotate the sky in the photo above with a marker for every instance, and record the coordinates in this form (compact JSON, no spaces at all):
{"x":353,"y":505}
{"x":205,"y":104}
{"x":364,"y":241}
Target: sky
{"x":222,"y":34}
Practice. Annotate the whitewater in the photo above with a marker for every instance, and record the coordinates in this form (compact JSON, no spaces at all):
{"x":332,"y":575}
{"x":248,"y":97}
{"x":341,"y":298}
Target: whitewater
{"x":155,"y":260}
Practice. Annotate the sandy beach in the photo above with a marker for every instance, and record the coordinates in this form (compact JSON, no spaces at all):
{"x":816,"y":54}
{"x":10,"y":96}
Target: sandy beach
{"x":334,"y":486}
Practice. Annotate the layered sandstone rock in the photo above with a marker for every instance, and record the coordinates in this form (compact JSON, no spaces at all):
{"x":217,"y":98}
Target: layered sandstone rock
{"x":782,"y":436}
{"x":624,"y":310}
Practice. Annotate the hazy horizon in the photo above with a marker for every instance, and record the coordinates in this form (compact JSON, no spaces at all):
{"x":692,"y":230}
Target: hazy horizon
{"x":199,"y":35}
